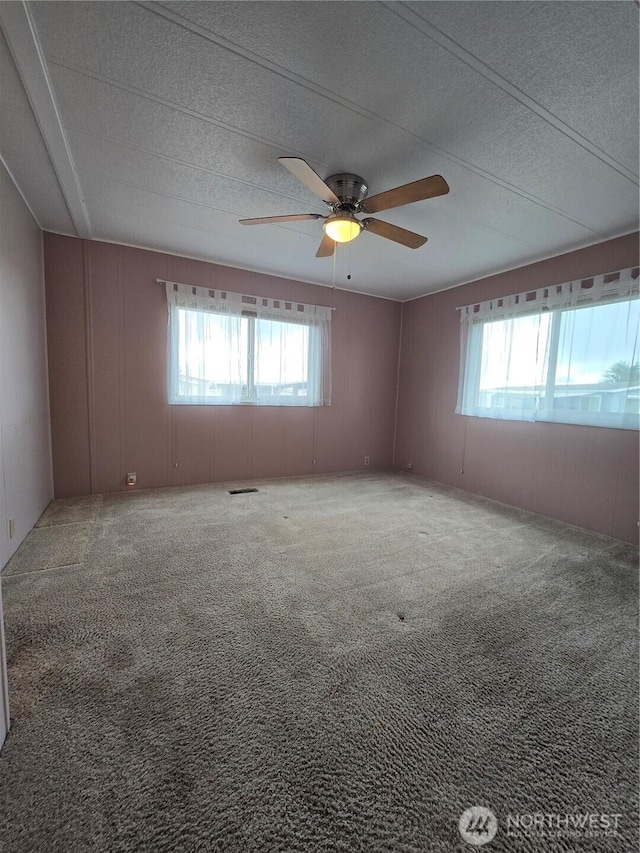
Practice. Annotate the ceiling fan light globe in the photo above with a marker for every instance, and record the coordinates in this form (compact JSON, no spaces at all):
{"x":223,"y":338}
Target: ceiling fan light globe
{"x":342,"y":229}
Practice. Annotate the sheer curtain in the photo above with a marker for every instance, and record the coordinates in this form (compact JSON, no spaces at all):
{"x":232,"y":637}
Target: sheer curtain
{"x":226,"y":348}
{"x":293,"y":354}
{"x":207,"y":352}
{"x":567,"y":353}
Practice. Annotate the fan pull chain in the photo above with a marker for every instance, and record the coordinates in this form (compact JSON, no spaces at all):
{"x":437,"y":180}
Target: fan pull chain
{"x":349,"y":263}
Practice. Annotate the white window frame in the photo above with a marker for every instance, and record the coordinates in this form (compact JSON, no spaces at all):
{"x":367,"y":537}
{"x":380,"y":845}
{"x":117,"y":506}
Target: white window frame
{"x":250,"y":396}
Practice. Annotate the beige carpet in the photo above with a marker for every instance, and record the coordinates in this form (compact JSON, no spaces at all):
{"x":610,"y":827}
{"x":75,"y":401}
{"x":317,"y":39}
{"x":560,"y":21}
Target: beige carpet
{"x":60,"y":537}
{"x":330,"y":664}
{"x":50,"y":547}
{"x":70,"y":511}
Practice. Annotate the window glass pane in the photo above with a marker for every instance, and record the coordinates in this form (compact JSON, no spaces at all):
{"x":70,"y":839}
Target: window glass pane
{"x":281,"y":359}
{"x":212,"y":355}
{"x":513,"y":363}
{"x":597,"y":363}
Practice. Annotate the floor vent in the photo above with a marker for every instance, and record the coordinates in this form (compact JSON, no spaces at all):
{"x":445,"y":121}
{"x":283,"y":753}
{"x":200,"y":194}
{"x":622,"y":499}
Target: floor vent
{"x":241,"y":491}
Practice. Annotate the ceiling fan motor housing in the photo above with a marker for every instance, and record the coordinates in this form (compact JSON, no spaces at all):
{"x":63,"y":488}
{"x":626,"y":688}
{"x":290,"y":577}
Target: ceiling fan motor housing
{"x":345,"y":194}
{"x":350,"y":189}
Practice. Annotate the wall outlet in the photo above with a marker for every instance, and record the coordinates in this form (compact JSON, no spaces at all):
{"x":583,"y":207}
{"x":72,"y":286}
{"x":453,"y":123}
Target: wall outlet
{"x":131,"y":478}
{"x":367,"y":459}
{"x":12,"y":528}
{"x":409,"y":466}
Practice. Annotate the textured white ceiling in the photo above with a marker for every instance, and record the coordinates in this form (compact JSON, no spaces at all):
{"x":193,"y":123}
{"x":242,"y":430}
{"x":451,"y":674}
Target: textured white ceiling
{"x":160,"y":125}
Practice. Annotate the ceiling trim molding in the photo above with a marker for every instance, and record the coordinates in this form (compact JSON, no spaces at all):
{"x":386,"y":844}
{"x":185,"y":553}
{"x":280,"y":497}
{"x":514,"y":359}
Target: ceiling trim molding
{"x":427,"y":29}
{"x":22,"y":37}
{"x":537,"y":260}
{"x":20,"y":193}
{"x":205,"y":260}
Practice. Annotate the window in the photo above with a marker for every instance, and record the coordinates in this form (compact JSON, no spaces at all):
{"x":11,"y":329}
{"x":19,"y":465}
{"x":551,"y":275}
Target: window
{"x":226,"y":348}
{"x":567,"y":353}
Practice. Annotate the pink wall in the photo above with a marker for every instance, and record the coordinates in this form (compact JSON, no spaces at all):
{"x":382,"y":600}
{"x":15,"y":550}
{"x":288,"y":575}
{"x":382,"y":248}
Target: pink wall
{"x":106,"y":321}
{"x":582,"y":475}
{"x":106,"y":324}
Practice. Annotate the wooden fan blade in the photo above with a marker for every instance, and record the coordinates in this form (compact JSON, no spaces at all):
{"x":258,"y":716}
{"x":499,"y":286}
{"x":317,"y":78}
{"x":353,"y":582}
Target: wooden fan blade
{"x":326,"y":248}
{"x":303,"y":172}
{"x":393,"y":232}
{"x":406,"y":194}
{"x":294,"y":217}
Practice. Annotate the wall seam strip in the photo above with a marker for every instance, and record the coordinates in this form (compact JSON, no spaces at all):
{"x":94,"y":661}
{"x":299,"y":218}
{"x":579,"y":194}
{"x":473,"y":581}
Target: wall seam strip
{"x":52,"y":485}
{"x":122,"y":376}
{"x":395,"y":417}
{"x":88,"y":340}
{"x":171,"y":425}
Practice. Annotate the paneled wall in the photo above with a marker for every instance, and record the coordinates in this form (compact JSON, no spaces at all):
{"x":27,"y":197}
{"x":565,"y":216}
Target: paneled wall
{"x":582,"y":475}
{"x":106,"y":321}
{"x":107,"y":335}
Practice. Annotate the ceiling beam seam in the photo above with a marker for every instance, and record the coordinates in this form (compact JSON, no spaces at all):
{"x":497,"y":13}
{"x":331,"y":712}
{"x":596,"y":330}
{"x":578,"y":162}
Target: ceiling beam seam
{"x":174,"y":197}
{"x":452,"y":158}
{"x":196,"y":29}
{"x":171,"y":105}
{"x":291,"y":227}
{"x":24,"y":44}
{"x":255,"y":58}
{"x":148,"y":152}
{"x":231,"y":178}
{"x":430,"y":31}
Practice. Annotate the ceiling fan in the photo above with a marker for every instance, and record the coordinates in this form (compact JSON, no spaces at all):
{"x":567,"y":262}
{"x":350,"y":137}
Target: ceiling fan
{"x":346,"y":195}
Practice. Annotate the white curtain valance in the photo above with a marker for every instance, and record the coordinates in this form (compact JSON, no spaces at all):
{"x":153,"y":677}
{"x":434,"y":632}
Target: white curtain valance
{"x":227,"y":302}
{"x":609,"y":287}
